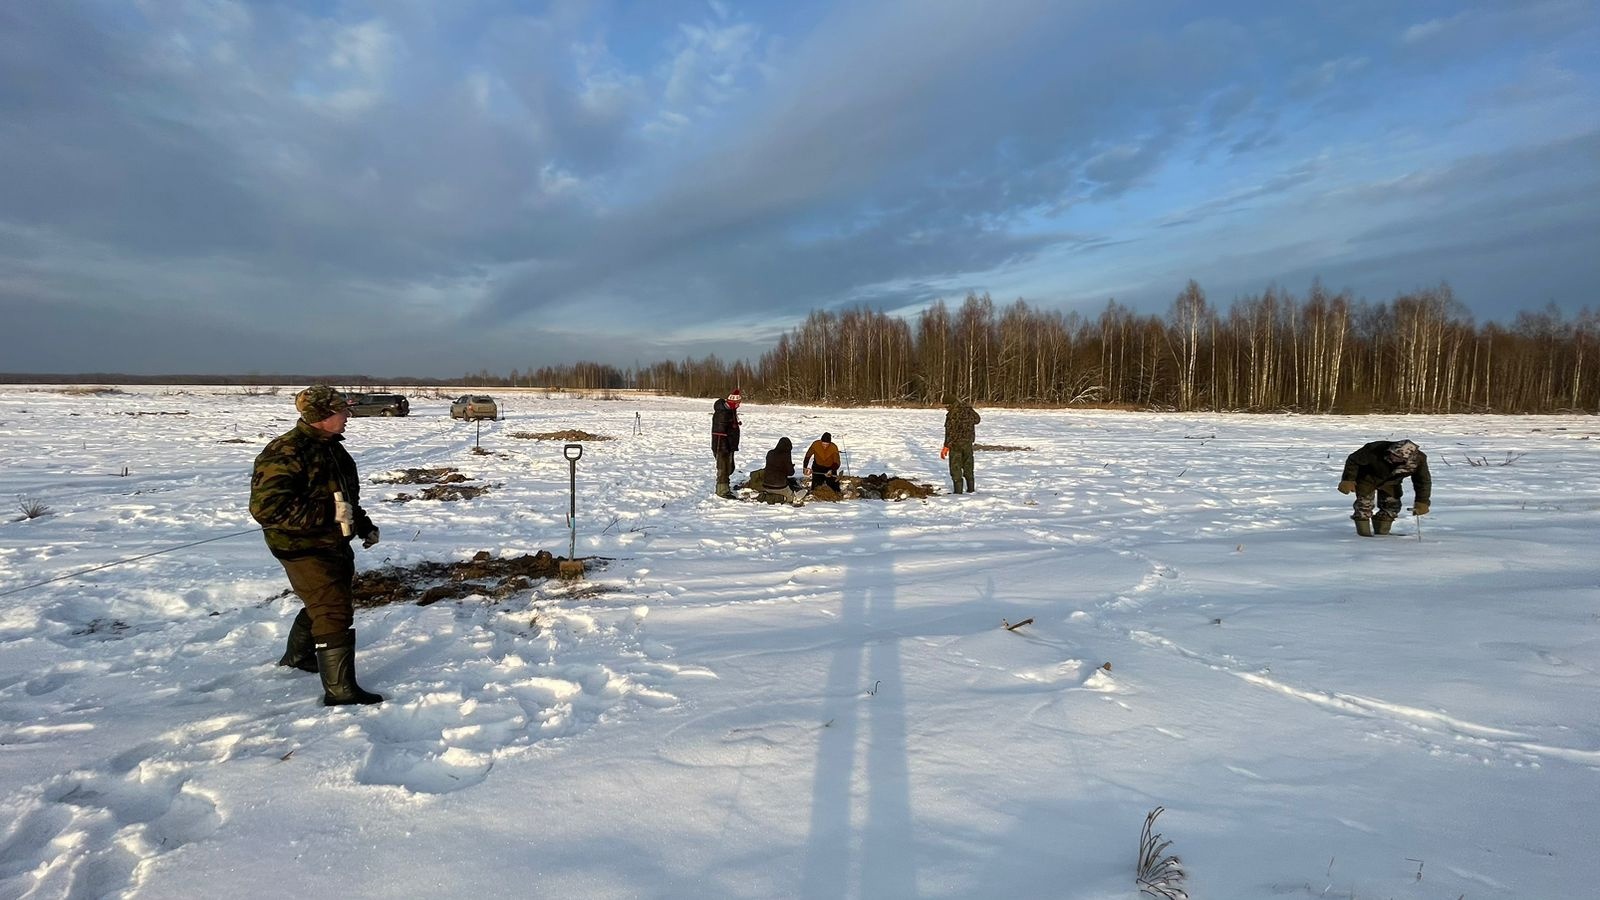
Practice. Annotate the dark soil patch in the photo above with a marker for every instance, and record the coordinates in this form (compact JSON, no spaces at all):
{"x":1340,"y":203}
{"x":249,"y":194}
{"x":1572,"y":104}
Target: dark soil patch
{"x":1000,"y":448}
{"x":441,"y":475}
{"x":885,"y":487}
{"x":446,"y":492}
{"x":160,"y":413}
{"x":430,"y":582}
{"x":867,"y":487}
{"x":233,"y":441}
{"x":571,"y":434}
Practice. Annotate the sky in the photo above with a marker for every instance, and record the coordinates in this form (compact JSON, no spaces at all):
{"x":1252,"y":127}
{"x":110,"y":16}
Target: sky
{"x":743,"y":700}
{"x":431,"y":189}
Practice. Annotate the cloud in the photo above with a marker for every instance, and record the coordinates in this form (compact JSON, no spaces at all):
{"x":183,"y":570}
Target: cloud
{"x":679,"y":173}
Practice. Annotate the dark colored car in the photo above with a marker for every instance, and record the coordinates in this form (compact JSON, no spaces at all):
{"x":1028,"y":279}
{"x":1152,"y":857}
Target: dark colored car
{"x":474,"y":406}
{"x":378,"y":405}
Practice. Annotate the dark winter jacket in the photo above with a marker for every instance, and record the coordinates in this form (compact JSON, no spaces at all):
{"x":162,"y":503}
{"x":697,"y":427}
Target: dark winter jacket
{"x":724,"y":428}
{"x":780,"y":466}
{"x":1371,"y":469}
{"x":291,"y":492}
{"x":960,"y":425}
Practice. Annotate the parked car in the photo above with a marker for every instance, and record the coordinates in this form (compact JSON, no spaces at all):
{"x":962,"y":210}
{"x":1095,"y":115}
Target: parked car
{"x":378,"y":405}
{"x":474,"y":406}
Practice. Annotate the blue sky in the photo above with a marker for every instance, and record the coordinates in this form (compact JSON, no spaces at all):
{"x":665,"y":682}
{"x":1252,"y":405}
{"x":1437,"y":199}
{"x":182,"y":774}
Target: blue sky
{"x":423,"y":188}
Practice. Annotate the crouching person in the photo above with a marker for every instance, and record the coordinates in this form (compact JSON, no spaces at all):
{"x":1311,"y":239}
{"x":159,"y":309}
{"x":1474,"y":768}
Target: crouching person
{"x":822,"y":462}
{"x":1374,"y":474}
{"x":305,"y":493}
{"x":777,"y":479}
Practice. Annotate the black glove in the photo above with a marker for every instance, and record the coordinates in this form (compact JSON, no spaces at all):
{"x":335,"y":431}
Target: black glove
{"x":369,"y":538}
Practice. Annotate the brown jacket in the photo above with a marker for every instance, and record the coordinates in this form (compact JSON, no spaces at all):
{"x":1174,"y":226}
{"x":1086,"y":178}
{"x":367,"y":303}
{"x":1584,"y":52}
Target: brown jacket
{"x":824,"y":453}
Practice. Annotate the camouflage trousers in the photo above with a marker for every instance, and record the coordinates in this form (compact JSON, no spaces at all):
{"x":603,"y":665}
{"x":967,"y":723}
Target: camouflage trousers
{"x":961,"y":467}
{"x":324,"y":584}
{"x":1387,"y":498}
{"x":724,"y":472}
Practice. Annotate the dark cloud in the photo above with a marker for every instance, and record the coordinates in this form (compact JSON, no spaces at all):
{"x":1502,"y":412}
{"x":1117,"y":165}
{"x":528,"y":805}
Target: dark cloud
{"x":692,"y":176}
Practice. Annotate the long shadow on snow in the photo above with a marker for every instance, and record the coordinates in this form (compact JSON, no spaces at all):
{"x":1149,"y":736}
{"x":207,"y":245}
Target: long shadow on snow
{"x":869,"y":730}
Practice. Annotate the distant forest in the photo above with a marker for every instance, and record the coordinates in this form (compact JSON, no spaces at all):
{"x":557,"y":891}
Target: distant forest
{"x":1272,"y":352}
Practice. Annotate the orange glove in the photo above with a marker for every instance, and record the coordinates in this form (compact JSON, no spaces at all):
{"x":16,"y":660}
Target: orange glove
{"x":944,"y":452}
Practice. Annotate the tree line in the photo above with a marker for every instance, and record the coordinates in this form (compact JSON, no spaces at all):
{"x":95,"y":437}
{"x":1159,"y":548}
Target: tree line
{"x":1273,"y":351}
{"x":1267,"y":352}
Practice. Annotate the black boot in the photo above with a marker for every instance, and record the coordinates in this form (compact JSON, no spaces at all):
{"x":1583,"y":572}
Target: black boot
{"x":1381,"y":525}
{"x":336,"y":662}
{"x":1364,"y":527}
{"x":301,"y":652}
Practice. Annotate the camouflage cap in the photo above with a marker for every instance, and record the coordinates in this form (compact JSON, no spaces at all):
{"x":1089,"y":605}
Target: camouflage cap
{"x":1401,"y":451}
{"x":318,"y":402}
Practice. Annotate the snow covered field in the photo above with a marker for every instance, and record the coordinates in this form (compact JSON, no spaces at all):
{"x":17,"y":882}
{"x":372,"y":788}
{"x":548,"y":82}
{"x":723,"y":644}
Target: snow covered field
{"x":766,"y":702}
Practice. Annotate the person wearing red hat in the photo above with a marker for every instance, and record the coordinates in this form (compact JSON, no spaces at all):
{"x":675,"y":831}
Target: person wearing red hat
{"x":725,"y":438}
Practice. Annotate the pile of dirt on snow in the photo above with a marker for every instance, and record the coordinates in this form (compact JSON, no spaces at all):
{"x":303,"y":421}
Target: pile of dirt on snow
{"x":867,"y":487}
{"x":1000,"y":448}
{"x":571,"y":434}
{"x":445,"y":492}
{"x":885,"y":487}
{"x":444,"y":483}
{"x":440,"y":475}
{"x":430,"y":582}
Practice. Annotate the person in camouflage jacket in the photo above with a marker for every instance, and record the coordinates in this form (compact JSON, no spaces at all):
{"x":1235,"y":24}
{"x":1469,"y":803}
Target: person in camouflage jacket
{"x":960,"y":430}
{"x":306,"y":494}
{"x":1377,"y":470}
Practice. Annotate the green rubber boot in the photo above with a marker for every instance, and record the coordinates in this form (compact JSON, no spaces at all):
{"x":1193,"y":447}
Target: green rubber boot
{"x":1364,"y":527}
{"x":1382,"y":525}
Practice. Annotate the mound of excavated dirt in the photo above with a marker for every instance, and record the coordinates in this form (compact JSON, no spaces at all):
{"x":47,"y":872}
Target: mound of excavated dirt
{"x":430,"y":582}
{"x":868,"y":487}
{"x":823,"y":492}
{"x":444,"y":483}
{"x":446,"y":492}
{"x":441,"y":475}
{"x":571,"y":434}
{"x":885,"y":487}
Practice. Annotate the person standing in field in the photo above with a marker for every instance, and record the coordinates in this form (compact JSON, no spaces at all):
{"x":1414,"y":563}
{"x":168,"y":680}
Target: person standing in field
{"x":1376,"y":471}
{"x":725,"y":438}
{"x":821,"y":462}
{"x":306,"y":494}
{"x":960,"y":430}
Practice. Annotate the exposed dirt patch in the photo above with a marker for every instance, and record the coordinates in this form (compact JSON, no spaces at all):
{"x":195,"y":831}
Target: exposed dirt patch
{"x":444,"y":483}
{"x":159,"y":413}
{"x":79,"y":391}
{"x":430,"y":582}
{"x":446,"y":492}
{"x":233,"y":441}
{"x":823,"y":492}
{"x":1001,"y":448}
{"x":571,"y":434}
{"x":867,"y":487}
{"x":440,"y":475}
{"x":885,"y":487}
